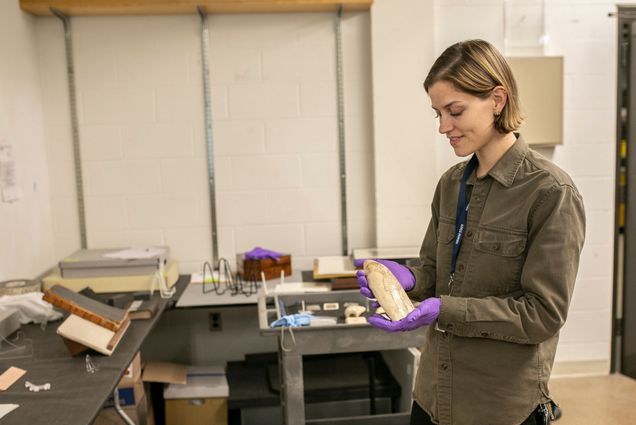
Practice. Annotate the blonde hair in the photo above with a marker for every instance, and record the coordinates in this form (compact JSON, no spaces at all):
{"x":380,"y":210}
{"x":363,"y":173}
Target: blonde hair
{"x":476,"y":67}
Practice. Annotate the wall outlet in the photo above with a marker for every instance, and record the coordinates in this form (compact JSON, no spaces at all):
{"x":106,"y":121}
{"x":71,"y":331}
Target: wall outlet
{"x":215,"y":322}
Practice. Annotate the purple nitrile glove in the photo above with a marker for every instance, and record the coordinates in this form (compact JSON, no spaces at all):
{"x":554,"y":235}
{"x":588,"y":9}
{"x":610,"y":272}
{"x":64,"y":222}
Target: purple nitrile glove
{"x":424,"y":314}
{"x":259,"y":253}
{"x":402,"y":273}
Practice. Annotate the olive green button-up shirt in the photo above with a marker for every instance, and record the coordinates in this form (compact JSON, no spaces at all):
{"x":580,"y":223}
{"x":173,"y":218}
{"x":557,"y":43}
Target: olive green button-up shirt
{"x":488,"y":360}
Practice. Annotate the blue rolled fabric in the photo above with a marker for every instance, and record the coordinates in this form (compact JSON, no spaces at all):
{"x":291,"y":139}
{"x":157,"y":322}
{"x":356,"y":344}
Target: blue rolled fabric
{"x":292,"y":320}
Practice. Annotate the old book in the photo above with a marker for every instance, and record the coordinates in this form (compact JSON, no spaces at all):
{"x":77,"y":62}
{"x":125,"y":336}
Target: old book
{"x":343,"y":283}
{"x":90,"y":335}
{"x":143,"y":309}
{"x":333,"y":267}
{"x":99,"y":313}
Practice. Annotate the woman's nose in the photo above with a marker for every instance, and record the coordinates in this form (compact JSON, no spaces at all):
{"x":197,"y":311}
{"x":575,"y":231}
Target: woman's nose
{"x":444,"y":125}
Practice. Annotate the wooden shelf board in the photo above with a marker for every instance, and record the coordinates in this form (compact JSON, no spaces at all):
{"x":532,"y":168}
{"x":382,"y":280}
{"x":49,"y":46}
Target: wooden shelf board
{"x":175,"y":7}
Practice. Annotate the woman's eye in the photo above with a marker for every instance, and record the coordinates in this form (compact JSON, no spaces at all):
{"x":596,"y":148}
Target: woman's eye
{"x":436,"y":114}
{"x":456,"y":114}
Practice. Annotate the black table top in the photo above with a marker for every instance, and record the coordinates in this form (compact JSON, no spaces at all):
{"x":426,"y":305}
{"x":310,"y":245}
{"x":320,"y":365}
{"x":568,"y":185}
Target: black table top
{"x":76,"y":396}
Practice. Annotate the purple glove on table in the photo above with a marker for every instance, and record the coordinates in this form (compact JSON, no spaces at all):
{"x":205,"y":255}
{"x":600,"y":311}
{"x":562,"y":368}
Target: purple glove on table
{"x":402,"y":273}
{"x":259,"y":253}
{"x":424,"y":314}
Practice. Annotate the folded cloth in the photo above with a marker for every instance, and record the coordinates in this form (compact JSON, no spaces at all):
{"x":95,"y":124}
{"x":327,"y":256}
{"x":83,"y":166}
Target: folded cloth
{"x":259,"y":253}
{"x":31,"y":307}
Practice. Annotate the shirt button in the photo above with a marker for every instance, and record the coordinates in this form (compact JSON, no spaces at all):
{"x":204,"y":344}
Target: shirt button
{"x":469,"y":234}
{"x":477,"y":199}
{"x":460,"y":267}
{"x":497,"y":247}
{"x":443,"y":366}
{"x":484,"y":334}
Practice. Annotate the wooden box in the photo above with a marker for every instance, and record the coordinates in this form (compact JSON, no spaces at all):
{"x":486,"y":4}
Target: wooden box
{"x":251,"y":269}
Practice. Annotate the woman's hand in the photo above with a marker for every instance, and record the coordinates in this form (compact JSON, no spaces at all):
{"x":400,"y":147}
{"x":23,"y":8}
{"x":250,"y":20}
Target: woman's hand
{"x":402,"y":273}
{"x":425,"y":314}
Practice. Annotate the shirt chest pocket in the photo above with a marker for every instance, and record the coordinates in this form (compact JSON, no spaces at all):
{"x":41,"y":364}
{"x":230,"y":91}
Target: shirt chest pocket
{"x":497,"y":262}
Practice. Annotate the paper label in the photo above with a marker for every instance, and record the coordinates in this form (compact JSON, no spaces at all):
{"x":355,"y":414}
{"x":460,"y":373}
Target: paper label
{"x":10,"y":376}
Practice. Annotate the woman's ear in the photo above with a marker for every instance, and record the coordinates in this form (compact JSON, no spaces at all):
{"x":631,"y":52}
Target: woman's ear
{"x":499,"y":97}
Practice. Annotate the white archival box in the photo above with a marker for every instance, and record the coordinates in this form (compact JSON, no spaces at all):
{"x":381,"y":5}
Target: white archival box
{"x":203,"y":382}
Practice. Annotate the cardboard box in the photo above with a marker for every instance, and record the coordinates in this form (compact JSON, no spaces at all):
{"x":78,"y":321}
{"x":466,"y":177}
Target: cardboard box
{"x":169,"y":373}
{"x":206,"y":411}
{"x":202,"y":400}
{"x":137,"y":413}
{"x":132,"y":374}
{"x":128,"y":396}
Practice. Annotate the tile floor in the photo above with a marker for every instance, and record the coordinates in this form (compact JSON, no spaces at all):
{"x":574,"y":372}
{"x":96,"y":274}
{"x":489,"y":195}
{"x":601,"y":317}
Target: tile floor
{"x":599,"y":400}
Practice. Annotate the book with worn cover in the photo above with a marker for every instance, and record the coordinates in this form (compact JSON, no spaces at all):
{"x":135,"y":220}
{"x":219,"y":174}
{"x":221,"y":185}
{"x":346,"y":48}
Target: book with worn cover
{"x":80,"y":334}
{"x":143,"y":309}
{"x":99,"y":313}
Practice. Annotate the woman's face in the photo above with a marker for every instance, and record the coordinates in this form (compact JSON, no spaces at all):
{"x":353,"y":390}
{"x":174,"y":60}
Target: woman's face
{"x":465,"y":119}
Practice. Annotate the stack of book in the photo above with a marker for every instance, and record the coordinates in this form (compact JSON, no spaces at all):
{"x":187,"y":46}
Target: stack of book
{"x":91,"y":324}
{"x":143,"y":309}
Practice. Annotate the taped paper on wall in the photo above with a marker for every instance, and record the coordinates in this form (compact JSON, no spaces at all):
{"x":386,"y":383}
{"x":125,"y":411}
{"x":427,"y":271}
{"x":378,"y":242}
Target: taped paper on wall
{"x":8,"y":178}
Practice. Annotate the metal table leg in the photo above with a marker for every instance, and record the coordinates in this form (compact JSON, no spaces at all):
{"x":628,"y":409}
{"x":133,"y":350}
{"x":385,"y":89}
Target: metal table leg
{"x":292,"y":387}
{"x":124,"y":417}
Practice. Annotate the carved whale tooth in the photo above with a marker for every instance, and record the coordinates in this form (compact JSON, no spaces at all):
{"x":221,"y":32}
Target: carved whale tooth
{"x":387,"y":290}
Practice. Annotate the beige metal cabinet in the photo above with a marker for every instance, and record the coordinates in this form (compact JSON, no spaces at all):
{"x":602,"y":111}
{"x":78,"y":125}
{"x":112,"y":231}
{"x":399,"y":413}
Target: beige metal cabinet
{"x":540,"y":81}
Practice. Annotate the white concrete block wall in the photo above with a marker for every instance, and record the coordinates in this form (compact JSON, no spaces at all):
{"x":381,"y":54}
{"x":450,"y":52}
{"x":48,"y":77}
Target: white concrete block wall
{"x":26,"y":238}
{"x":275,"y":133}
{"x":582,"y":33}
{"x":142,"y":132}
{"x":404,"y":156}
{"x":588,"y":153}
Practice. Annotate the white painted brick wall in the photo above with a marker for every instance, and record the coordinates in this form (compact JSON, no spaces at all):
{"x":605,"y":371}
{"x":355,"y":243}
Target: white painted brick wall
{"x":403,"y":158}
{"x":239,"y":138}
{"x":275,"y":134}
{"x":143,"y":138}
{"x":181,"y":175}
{"x":99,"y":142}
{"x":302,"y":135}
{"x":264,"y":100}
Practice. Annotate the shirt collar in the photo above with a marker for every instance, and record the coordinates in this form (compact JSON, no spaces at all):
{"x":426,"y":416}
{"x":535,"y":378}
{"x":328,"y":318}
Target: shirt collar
{"x":504,"y":170}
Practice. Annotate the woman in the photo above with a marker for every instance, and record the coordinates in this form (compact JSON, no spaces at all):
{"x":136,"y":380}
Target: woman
{"x":498,"y":261}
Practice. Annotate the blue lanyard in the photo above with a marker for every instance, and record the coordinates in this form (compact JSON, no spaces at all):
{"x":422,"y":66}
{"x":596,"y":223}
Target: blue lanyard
{"x":462,"y":213}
